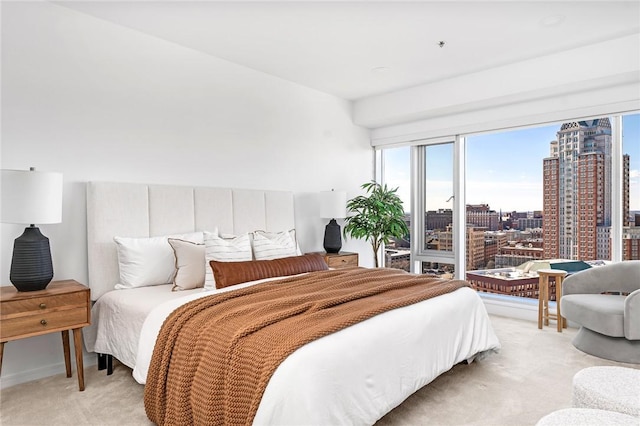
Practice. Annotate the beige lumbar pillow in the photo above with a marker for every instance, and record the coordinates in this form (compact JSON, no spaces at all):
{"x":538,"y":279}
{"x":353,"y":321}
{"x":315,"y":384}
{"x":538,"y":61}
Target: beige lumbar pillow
{"x":190,"y":271}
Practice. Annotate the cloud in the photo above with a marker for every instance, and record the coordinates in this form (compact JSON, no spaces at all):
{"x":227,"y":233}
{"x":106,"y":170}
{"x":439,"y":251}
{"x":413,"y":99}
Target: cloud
{"x":506,"y":195}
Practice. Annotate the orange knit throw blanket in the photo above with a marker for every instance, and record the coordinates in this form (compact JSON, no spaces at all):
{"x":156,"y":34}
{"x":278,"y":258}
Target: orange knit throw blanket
{"x":214,"y":356}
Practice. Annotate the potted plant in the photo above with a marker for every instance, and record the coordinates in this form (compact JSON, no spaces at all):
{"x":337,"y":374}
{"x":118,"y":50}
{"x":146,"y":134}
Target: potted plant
{"x":377,"y":217}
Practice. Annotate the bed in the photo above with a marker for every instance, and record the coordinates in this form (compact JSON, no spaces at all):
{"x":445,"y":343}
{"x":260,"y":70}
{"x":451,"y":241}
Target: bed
{"x":352,"y":376}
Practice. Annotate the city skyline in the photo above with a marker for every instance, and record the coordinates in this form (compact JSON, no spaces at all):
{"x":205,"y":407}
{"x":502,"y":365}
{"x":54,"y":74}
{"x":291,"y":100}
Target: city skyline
{"x":504,"y":169}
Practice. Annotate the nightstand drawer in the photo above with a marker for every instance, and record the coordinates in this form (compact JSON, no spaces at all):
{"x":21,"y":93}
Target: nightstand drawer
{"x":342,"y":261}
{"x":44,"y":322}
{"x":18,"y":308}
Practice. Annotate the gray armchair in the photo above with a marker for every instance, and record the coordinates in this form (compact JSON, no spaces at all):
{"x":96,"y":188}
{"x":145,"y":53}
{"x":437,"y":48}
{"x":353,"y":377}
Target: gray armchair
{"x":610,"y":323}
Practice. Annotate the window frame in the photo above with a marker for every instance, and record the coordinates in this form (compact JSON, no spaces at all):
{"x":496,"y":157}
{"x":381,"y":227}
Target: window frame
{"x":417,"y":189}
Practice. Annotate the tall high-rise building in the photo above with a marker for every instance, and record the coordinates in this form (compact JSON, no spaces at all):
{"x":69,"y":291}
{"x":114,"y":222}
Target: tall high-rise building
{"x":577,"y":191}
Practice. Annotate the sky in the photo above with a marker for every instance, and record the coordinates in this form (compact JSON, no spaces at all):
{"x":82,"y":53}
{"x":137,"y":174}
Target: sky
{"x":503,"y":169}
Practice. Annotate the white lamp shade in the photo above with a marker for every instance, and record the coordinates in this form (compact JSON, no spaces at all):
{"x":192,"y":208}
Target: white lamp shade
{"x":333,"y":204}
{"x":31,"y":197}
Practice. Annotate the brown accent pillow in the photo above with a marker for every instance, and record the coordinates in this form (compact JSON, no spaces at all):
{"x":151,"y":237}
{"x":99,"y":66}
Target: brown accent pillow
{"x":230,"y":273}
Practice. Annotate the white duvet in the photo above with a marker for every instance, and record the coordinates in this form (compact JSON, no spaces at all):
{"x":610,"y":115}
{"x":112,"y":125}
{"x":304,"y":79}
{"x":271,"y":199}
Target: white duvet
{"x":357,"y":375}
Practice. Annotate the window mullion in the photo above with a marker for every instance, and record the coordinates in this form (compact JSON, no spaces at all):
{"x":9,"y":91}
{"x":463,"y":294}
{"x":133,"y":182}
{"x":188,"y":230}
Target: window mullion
{"x":459,"y":207}
{"x":616,"y":189}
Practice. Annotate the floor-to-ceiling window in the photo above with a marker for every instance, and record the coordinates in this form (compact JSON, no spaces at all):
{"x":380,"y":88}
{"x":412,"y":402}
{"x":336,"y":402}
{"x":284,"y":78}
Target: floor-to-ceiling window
{"x":424,"y":176}
{"x":537,"y":193}
{"x":631,"y":174}
{"x":504,"y":194}
{"x":396,"y":173}
{"x":435,"y":224}
{"x":546,"y":197}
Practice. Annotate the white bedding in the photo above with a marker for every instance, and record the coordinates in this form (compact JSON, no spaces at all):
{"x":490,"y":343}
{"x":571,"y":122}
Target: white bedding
{"x":357,"y":375}
{"x":117,"y":319}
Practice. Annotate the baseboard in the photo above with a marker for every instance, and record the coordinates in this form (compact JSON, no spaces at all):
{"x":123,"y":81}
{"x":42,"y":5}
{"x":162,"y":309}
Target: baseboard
{"x":44,"y":371}
{"x":513,"y":307}
{"x":516,"y":307}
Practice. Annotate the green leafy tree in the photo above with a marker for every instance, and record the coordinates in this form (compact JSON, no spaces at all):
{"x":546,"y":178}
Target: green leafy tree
{"x":377,"y":217}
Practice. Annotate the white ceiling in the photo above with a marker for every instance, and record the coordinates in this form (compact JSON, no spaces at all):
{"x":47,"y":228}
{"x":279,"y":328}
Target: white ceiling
{"x":358,"y":49}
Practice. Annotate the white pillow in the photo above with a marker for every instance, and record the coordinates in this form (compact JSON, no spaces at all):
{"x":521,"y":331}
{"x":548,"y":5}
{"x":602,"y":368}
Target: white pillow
{"x":148,"y":261}
{"x":190,"y":270}
{"x":231,"y":249}
{"x":273,"y":245}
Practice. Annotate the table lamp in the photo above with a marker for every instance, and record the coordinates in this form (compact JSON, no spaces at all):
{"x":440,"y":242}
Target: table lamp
{"x":333,"y":204}
{"x":30,"y":197}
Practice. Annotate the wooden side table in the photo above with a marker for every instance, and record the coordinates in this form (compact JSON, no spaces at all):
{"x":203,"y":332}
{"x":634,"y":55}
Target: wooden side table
{"x":62,"y":306}
{"x":543,"y":297}
{"x":341,"y":260}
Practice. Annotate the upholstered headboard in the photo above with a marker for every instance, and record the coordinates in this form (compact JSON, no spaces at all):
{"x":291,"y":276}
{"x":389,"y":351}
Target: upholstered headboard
{"x":140,"y":210}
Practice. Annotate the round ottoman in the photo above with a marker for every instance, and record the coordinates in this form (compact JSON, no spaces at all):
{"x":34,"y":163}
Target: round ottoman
{"x":608,"y":388}
{"x":586,"y":417}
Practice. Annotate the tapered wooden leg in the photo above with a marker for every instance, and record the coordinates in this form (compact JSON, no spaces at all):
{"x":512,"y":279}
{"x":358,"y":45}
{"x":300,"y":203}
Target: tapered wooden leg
{"x":540,"y":304}
{"x":77,"y":346}
{"x":559,"y":318}
{"x":67,"y":351}
{"x":1,"y":352}
{"x":546,"y":301}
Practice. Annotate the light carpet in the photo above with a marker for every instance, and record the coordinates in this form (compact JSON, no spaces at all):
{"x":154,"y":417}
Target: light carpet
{"x":529,"y":378}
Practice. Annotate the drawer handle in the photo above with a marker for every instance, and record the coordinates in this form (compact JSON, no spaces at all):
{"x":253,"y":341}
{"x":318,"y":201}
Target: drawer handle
{"x":343,"y":260}
{"x":43,"y":306}
{"x":43,"y":322}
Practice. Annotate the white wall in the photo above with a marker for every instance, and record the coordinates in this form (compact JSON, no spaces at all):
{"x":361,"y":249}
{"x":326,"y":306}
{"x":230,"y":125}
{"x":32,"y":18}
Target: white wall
{"x":96,"y":101}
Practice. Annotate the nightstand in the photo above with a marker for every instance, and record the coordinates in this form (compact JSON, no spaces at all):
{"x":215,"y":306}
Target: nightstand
{"x":62,"y":306}
{"x":341,"y":260}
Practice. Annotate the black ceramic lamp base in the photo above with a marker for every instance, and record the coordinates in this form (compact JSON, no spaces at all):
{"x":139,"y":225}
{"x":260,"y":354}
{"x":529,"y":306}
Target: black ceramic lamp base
{"x":332,"y":238}
{"x":31,"y":265}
